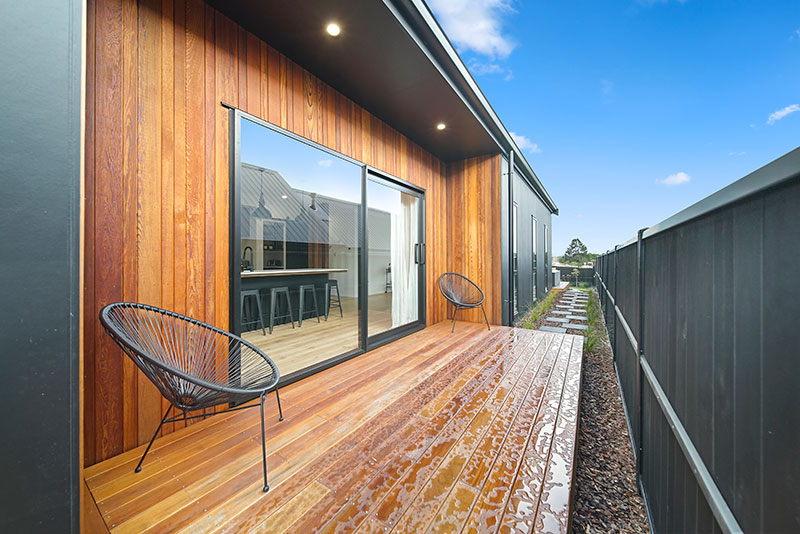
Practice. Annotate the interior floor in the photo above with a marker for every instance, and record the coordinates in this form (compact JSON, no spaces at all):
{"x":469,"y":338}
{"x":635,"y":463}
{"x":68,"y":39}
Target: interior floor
{"x":294,"y":349}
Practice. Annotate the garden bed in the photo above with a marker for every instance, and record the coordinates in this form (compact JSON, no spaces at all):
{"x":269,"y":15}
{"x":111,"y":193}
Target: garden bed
{"x":605,"y":494}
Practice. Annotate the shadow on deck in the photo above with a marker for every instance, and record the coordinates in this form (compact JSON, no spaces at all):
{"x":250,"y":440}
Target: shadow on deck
{"x":436,"y":432}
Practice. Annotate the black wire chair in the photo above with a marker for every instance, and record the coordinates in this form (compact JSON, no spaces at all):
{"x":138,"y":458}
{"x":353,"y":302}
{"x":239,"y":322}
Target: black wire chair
{"x":463,"y":293}
{"x":194,"y":365}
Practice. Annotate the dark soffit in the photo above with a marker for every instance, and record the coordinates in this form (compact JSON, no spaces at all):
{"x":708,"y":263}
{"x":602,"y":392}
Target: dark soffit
{"x":374,"y":62}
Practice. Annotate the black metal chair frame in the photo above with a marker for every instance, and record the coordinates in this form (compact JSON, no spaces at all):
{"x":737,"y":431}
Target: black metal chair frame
{"x":304,"y":291}
{"x":165,"y":377}
{"x":329,"y":286}
{"x":460,"y":304}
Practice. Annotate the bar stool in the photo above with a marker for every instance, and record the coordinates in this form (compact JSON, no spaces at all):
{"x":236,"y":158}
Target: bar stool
{"x":329,"y":286}
{"x":252,"y":293}
{"x":303,"y":289}
{"x":273,"y":302}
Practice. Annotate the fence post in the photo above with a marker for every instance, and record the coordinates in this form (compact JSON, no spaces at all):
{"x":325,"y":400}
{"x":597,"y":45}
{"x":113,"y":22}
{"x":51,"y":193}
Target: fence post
{"x":640,"y":251}
{"x":614,"y":311}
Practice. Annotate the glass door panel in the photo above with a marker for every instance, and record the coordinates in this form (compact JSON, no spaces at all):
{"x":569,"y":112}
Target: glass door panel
{"x":299,"y":245}
{"x":395,"y":256}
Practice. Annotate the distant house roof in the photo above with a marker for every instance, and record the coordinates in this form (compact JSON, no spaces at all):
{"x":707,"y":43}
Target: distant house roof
{"x":266,"y":197}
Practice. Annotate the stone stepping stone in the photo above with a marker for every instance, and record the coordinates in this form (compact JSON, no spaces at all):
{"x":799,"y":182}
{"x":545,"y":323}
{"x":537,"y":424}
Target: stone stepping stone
{"x":559,"y":312}
{"x":557,"y":320}
{"x":554,"y":329}
{"x":576,"y":326}
{"x":577,"y":317}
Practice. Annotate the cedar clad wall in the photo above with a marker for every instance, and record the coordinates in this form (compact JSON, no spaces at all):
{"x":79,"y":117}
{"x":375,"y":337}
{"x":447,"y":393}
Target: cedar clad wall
{"x":157,"y":183}
{"x":473,"y":191}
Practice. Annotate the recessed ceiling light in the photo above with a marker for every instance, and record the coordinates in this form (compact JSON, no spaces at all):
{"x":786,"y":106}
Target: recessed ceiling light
{"x":284,"y":196}
{"x":441,"y":126}
{"x":333,"y":29}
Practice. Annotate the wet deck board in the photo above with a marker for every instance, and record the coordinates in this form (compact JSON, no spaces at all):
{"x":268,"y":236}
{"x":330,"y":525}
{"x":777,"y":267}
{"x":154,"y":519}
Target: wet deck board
{"x":473,"y":431}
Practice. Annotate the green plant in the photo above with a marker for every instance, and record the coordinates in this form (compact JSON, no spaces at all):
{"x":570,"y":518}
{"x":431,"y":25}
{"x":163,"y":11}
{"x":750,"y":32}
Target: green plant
{"x":596,"y":333}
{"x":539,"y":309}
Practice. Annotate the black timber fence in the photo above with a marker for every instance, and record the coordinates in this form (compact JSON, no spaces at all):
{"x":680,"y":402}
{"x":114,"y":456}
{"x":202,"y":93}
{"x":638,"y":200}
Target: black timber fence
{"x":703,"y":312}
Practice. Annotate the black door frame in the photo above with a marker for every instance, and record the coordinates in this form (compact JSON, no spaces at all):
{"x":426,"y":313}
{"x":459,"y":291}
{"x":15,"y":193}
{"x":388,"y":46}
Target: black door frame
{"x":387,"y":336}
{"x":365,"y":344}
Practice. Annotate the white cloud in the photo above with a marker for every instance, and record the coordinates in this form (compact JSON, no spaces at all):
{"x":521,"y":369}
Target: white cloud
{"x":489,"y":69}
{"x":675,"y":179}
{"x":525,"y":144}
{"x":325,"y":162}
{"x":476,"y":25}
{"x":781,"y":113}
{"x":736,"y":153}
{"x":606,"y":87}
{"x":579,"y":216}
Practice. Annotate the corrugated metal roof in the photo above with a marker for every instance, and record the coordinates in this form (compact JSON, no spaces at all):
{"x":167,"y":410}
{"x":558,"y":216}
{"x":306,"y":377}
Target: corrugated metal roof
{"x":333,"y":222}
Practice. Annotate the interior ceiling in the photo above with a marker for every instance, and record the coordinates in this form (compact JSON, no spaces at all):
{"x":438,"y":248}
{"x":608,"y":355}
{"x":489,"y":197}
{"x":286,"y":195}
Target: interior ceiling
{"x":374,"y":62}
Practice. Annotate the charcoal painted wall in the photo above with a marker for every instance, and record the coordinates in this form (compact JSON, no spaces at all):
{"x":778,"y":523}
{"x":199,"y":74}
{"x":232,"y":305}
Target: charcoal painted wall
{"x":718,"y":336}
{"x":39,"y":253}
{"x":530,"y":207}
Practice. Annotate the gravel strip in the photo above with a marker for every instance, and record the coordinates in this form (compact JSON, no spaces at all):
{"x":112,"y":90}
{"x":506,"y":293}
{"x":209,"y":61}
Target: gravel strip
{"x":605,"y":496}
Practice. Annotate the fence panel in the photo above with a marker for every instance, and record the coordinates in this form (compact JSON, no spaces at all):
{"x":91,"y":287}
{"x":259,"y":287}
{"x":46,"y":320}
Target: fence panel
{"x":712,"y":399}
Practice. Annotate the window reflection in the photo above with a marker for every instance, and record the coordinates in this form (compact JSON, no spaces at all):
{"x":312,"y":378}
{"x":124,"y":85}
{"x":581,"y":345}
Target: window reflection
{"x":299,"y":215}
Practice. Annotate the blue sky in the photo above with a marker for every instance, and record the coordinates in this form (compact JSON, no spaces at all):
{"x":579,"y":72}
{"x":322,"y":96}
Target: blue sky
{"x":630,"y":111}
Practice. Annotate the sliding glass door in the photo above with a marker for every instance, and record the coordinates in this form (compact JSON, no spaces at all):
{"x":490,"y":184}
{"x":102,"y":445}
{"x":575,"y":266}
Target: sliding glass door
{"x":395,"y":258}
{"x":327,"y":254}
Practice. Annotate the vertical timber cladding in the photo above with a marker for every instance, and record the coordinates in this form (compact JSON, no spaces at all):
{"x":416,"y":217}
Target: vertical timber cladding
{"x":474,"y":219}
{"x":157,"y":175}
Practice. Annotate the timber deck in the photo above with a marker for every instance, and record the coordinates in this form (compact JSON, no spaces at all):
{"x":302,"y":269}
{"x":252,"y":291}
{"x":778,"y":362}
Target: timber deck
{"x":467,"y":432}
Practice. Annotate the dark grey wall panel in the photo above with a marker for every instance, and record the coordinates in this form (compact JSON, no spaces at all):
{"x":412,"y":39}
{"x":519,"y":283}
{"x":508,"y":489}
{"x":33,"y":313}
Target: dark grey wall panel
{"x":721,"y":304}
{"x":40,"y":58}
{"x":529,"y":204}
{"x":781,"y":344}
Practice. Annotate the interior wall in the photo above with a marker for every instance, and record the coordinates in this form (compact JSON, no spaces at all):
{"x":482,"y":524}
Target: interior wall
{"x":157,"y":182}
{"x":474,"y":248}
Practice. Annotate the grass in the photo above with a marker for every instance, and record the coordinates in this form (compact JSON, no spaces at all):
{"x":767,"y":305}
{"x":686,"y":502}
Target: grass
{"x":596,"y":332}
{"x":541,"y":308}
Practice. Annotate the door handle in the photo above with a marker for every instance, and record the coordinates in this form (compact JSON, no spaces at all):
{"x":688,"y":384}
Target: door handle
{"x":416,"y":253}
{"x":424,"y":254}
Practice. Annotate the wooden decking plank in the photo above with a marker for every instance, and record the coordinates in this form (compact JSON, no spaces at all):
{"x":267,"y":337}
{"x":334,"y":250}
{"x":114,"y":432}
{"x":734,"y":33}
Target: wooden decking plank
{"x":156,"y":464}
{"x":436,"y":432}
{"x":132,"y":456}
{"x":489,"y":507}
{"x":424,"y":507}
{"x":392,"y":418}
{"x":454,"y":419}
{"x":525,"y":492}
{"x":258,"y":510}
{"x":290,"y":512}
{"x":193,"y":471}
{"x":346,"y":481}
{"x":418,"y":367}
{"x":456,"y":504}
{"x":374,"y":363}
{"x":552,"y":514}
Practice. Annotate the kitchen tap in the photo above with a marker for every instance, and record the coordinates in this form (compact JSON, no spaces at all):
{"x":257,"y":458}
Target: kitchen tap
{"x":247,"y":265}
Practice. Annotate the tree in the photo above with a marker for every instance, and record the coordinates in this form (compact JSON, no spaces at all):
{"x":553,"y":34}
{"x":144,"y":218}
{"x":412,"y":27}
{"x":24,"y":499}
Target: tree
{"x":576,"y":273}
{"x":576,"y":252}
